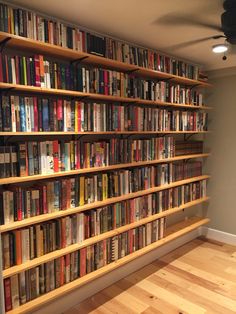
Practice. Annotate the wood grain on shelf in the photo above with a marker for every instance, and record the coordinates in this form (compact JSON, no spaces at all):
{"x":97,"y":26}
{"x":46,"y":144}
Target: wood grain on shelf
{"x":99,"y":97}
{"x":70,"y":54}
{"x":171,"y":234}
{"x":75,"y":247}
{"x":38,"y":177}
{"x":109,"y":201}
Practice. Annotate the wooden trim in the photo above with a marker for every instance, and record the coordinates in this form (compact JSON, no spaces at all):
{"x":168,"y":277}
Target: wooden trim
{"x":173,"y":232}
{"x":62,"y":213}
{"x":13,"y":180}
{"x":75,"y":247}
{"x":99,"y":97}
{"x":70,"y":54}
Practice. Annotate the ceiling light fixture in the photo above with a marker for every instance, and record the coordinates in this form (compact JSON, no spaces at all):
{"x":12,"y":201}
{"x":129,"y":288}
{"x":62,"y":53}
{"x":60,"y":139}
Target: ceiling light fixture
{"x":220,"y":48}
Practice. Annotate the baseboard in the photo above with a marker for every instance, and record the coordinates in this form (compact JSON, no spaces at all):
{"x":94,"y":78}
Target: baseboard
{"x":64,"y":303}
{"x":218,"y":235}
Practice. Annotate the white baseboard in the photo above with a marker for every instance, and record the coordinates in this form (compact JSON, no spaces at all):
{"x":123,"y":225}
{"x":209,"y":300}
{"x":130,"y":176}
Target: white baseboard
{"x":64,"y":303}
{"x":218,"y":235}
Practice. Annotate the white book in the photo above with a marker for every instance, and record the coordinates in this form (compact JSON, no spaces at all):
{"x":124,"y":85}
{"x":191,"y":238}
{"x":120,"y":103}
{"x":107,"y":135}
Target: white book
{"x":14,"y":291}
{"x":43,"y":159}
{"x":13,"y":70}
{"x":25,"y":245}
{"x":27,"y":114}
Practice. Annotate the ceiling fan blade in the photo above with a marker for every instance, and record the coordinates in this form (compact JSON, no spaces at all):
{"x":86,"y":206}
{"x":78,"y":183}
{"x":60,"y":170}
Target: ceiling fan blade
{"x":183,"y":20}
{"x":192,"y":42}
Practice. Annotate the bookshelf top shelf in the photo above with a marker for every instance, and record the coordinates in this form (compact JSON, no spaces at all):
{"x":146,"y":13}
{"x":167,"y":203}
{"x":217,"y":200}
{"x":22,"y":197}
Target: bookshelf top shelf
{"x":23,"y":43}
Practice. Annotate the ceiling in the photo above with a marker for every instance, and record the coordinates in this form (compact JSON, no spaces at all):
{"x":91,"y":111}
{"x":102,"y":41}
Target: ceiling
{"x":142,"y":22}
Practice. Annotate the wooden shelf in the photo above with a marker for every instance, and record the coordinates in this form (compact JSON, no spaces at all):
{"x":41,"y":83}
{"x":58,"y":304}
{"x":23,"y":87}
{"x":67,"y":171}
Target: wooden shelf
{"x":45,"y":217}
{"x":70,"y":54}
{"x":173,"y":232}
{"x":75,"y":247}
{"x":92,"y":96}
{"x":99,"y":133}
{"x":13,"y":180}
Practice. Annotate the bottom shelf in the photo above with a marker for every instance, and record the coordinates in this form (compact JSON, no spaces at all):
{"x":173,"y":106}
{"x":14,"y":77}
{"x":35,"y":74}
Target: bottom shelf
{"x":171,"y":233}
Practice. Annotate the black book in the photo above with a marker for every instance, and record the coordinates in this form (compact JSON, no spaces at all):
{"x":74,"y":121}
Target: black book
{"x":69,"y":37}
{"x":2,"y":162}
{"x":7,"y":161}
{"x":6,"y":113}
{"x":13,"y":156}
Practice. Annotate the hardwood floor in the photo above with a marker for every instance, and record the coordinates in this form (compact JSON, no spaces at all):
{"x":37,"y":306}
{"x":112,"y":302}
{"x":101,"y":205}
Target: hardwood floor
{"x":197,"y":278}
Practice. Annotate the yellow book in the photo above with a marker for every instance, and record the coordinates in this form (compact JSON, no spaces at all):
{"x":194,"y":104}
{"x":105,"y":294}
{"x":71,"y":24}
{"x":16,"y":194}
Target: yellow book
{"x":24,"y":71}
{"x":104,"y":186}
{"x":81,"y":188}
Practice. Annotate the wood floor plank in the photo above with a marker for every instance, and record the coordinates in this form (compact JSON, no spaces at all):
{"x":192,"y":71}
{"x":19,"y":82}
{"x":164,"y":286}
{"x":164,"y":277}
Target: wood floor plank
{"x":197,"y":278}
{"x":194,"y":292}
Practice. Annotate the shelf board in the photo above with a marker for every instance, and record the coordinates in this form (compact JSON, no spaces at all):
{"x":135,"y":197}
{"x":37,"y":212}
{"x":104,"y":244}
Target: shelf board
{"x":75,"y":247}
{"x":100,"y":133}
{"x":70,"y":54}
{"x":173,"y":232}
{"x":99,"y":97}
{"x":13,"y":180}
{"x":109,"y":201}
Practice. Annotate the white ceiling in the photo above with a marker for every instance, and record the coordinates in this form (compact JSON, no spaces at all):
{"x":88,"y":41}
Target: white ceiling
{"x":139,"y":21}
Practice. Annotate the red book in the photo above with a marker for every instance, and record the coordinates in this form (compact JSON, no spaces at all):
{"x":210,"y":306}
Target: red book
{"x":130,"y":239}
{"x":83,"y":253}
{"x":60,"y":115}
{"x":63,"y":232}
{"x":45,"y":204}
{"x":78,"y":165}
{"x":64,"y":194}
{"x":55,"y":156}
{"x":7,"y":294}
{"x":19,"y":203}
{"x":36,"y":116}
{"x":17,"y":70}
{"x":62,"y":270}
{"x":79,"y":117}
{"x":106,"y":92}
{"x":37,"y":71}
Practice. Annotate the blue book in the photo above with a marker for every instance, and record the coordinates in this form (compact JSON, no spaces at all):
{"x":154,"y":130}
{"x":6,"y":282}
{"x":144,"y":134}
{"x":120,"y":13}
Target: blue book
{"x":22,"y":115}
{"x":45,"y":114}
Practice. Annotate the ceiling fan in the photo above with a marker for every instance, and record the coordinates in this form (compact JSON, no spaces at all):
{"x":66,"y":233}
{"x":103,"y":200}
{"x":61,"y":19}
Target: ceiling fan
{"x":227,"y":28}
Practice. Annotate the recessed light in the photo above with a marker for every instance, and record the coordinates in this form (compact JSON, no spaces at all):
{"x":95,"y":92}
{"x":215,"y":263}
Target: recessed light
{"x":220,"y":48}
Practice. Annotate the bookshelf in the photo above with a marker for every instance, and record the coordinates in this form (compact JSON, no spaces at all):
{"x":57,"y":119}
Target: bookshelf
{"x":149,"y":228}
{"x":173,"y":233}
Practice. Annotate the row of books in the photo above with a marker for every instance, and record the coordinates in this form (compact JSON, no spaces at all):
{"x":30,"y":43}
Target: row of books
{"x":47,"y":157}
{"x":22,"y":245}
{"x":27,"y":114}
{"x":20,"y":202}
{"x":188,"y":147}
{"x":36,"y":114}
{"x":28,"y":24}
{"x":28,"y":285}
{"x":37,"y":71}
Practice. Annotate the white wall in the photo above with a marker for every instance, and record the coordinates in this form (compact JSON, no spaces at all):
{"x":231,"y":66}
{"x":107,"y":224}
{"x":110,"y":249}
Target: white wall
{"x":222,"y":142}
